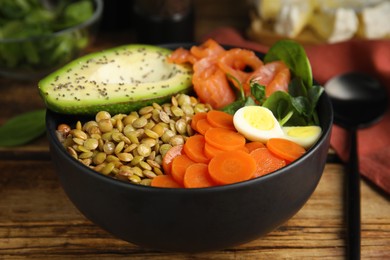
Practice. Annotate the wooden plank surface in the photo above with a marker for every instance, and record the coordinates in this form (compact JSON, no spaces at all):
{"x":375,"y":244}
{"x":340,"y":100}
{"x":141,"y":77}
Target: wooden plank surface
{"x":38,"y":221}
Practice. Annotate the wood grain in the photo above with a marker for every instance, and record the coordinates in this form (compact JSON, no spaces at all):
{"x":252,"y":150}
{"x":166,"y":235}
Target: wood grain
{"x":38,"y":221}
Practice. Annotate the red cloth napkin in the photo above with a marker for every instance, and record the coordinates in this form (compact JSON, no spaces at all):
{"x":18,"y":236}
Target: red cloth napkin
{"x":328,"y":60}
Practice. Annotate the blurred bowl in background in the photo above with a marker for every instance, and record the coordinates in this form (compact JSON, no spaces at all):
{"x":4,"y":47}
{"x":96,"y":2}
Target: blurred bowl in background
{"x":42,"y":40}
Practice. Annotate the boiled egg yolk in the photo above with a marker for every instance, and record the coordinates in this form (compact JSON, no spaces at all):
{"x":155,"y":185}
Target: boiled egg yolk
{"x":257,"y":123}
{"x":305,"y":136}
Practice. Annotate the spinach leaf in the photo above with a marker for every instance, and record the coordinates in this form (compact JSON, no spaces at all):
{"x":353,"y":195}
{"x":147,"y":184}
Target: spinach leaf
{"x":23,"y":128}
{"x":258,"y":92}
{"x":234,"y":106}
{"x":250,"y":102}
{"x":280,"y":104}
{"x":303,"y":94}
{"x":28,"y":18}
{"x":294,"y":56}
{"x":286,"y":109}
{"x":296,"y":87}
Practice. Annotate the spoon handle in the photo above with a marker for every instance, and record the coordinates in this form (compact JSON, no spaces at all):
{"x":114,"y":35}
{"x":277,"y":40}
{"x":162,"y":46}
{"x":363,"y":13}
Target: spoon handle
{"x":353,"y":199}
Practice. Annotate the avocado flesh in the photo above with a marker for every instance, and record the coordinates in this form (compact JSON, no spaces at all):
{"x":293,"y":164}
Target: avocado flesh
{"x":117,"y":80}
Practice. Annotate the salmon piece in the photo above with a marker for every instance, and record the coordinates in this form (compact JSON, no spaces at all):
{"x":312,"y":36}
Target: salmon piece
{"x":212,"y":63}
{"x":279,"y":82}
{"x":236,"y":62}
{"x":209,"y":48}
{"x":181,"y":56}
{"x":273,"y":75}
{"x":210,"y":83}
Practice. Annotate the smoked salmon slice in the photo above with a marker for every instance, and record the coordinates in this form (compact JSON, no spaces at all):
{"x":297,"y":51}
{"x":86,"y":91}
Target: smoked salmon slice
{"x":217,"y":70}
{"x":239,"y":63}
{"x":273,"y":75}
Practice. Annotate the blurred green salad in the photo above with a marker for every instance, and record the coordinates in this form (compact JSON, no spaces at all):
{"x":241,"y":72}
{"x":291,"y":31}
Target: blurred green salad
{"x":21,"y":19}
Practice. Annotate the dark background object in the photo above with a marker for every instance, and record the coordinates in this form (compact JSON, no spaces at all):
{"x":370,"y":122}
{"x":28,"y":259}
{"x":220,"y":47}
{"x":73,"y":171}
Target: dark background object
{"x":117,"y":16}
{"x":163,"y":21}
{"x":358,"y":101}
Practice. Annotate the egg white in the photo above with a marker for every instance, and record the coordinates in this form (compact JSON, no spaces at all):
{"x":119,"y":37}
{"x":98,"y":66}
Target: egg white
{"x":257,"y":123}
{"x":305,"y":136}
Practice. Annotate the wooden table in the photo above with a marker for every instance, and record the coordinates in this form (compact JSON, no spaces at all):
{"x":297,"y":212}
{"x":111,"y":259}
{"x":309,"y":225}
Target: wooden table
{"x":38,"y":221}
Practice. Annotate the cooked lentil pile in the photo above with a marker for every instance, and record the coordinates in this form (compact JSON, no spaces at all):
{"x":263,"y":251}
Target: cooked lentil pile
{"x":131,"y":146}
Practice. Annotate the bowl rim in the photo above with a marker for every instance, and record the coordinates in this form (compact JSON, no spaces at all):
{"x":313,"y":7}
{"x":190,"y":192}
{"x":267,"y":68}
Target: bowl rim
{"x":97,"y":14}
{"x":50,"y":125}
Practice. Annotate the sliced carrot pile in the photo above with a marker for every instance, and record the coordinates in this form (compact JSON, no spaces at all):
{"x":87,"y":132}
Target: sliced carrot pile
{"x":197,"y":176}
{"x":198,"y":116}
{"x":211,"y":151}
{"x":285,"y":149}
{"x":217,"y":154}
{"x":179,"y":165}
{"x":231,"y":167}
{"x":194,"y":149}
{"x":254,"y":145}
{"x":169,"y":156}
{"x":202,"y":126}
{"x":164,"y":181}
{"x":220,"y":119}
{"x":266,"y":161}
{"x":225,"y":139}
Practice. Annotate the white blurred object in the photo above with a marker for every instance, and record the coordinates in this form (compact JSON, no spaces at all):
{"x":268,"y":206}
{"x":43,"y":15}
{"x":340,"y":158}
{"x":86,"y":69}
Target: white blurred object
{"x":376,"y":21}
{"x":293,"y":17}
{"x":325,"y":20}
{"x":337,"y":25}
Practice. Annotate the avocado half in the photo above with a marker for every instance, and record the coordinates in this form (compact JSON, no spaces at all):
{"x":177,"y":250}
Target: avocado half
{"x":117,"y":80}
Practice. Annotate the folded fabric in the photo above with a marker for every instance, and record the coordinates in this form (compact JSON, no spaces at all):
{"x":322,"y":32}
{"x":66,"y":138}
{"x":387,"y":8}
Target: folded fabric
{"x":328,"y":60}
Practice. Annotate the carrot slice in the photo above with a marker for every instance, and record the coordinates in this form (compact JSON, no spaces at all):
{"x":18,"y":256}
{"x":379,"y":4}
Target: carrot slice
{"x":254,"y":145}
{"x":169,"y":156}
{"x":220,"y":119}
{"x":266,"y":161}
{"x":197,"y":176}
{"x":285,"y":149}
{"x":231,"y":167}
{"x":202,"y":126}
{"x":225,"y":139}
{"x":179,"y":165}
{"x":164,"y":181}
{"x":196,"y":117}
{"x":211,"y":151}
{"x":194,"y":149}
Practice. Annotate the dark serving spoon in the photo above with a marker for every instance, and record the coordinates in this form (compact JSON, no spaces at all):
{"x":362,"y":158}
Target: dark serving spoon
{"x":358,"y":101}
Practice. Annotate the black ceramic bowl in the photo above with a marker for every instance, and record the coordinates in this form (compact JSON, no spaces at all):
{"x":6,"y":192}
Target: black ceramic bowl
{"x":191,"y":220}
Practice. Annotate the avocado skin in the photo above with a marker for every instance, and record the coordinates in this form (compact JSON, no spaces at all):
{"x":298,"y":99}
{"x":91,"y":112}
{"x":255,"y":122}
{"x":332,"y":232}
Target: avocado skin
{"x":83,"y":105}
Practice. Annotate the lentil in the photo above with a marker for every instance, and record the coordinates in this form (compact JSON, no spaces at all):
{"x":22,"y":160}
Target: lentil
{"x":130,"y":147}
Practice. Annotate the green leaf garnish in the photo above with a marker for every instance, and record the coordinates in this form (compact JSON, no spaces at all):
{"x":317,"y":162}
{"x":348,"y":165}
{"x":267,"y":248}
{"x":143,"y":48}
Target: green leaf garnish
{"x":297,"y":107}
{"x":294,"y":56}
{"x":23,"y":128}
{"x":258,"y":91}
